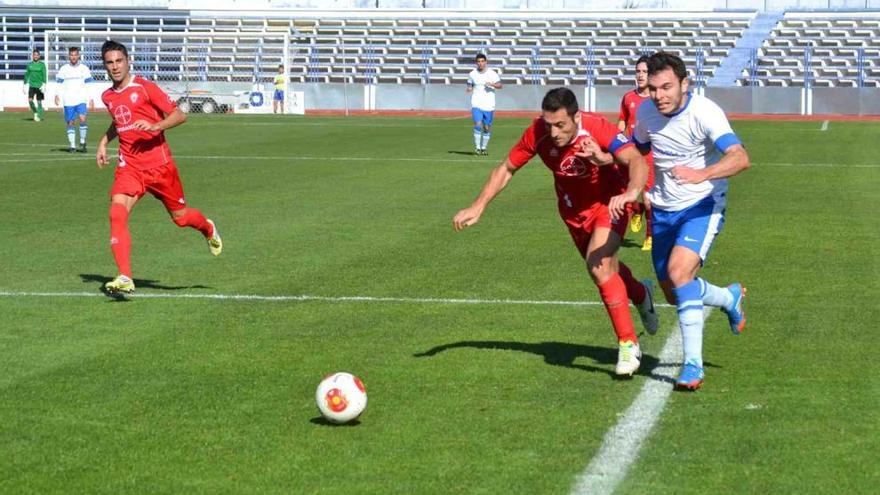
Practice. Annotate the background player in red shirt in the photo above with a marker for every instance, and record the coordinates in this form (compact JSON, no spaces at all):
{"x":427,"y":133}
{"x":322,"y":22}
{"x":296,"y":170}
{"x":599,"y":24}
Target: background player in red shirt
{"x":141,"y":112}
{"x":629,"y":105}
{"x":593,"y":201}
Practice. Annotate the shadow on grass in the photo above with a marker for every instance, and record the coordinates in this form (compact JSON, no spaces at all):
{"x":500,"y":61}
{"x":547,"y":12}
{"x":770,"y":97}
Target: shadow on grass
{"x":468,"y":153}
{"x":555,"y":353}
{"x":140,"y":283}
{"x":322,"y":421}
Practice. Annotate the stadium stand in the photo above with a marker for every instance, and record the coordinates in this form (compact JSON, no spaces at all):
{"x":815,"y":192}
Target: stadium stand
{"x":824,"y":49}
{"x":413,"y":46}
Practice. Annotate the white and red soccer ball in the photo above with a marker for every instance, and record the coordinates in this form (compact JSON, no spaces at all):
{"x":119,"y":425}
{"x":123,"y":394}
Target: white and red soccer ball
{"x":341,"y":397}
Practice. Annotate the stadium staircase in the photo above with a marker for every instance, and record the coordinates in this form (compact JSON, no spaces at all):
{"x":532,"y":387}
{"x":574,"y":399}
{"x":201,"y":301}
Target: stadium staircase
{"x":737,"y":61}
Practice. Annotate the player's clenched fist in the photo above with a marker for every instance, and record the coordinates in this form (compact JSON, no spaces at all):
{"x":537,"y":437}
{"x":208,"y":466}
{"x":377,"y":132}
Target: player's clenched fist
{"x":466,"y":218}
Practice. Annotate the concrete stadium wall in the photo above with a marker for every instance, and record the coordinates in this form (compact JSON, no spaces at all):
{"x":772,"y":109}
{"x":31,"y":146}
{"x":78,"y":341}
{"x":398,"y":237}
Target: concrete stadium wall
{"x":740,"y":100}
{"x":437,"y":97}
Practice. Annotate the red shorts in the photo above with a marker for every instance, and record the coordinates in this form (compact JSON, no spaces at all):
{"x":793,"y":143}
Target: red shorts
{"x":162,"y":182}
{"x":581,"y":227}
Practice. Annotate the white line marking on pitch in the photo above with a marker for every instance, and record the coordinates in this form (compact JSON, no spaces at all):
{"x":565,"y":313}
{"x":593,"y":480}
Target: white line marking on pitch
{"x":307,"y":297}
{"x":622,"y":443}
{"x":824,"y":125}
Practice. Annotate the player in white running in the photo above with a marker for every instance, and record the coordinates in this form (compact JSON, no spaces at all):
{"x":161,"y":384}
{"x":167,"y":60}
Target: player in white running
{"x":481,"y":84}
{"x":74,"y":96}
{"x":695,"y":151}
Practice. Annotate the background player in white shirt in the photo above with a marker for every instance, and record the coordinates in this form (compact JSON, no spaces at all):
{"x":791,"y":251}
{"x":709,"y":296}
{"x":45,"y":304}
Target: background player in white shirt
{"x":74,"y":96}
{"x":482,"y":83}
{"x":695,"y":150}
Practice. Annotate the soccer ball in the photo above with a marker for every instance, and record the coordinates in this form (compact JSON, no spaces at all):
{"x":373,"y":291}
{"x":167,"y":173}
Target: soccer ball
{"x":341,"y":397}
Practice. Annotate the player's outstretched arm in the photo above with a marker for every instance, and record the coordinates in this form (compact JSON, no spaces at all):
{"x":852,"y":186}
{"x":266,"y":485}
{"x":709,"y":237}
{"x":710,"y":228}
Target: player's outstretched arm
{"x":734,"y":161}
{"x":498,"y":179}
{"x":638,"y":177}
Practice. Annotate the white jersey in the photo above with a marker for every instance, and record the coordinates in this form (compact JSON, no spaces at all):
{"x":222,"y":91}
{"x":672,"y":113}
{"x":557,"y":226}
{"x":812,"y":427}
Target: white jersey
{"x":72,"y":81}
{"x":483,"y":97}
{"x":695,"y":137}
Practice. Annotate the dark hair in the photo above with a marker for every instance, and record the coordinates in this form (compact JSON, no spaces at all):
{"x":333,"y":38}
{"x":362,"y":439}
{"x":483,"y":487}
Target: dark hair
{"x":73,"y":49}
{"x":660,"y":61}
{"x":560,"y":98}
{"x":480,"y":56}
{"x":36,"y":50}
{"x":642,"y":59}
{"x":113,"y":46}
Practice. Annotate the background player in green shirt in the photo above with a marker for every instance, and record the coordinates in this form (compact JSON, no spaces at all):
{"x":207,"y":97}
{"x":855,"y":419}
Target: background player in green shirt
{"x":35,"y":77}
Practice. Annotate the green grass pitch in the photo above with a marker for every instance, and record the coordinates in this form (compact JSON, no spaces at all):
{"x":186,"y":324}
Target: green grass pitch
{"x":189,"y":395}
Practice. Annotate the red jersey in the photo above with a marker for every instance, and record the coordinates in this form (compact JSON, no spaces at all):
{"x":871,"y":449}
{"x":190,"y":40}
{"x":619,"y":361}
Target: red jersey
{"x":579,"y":184}
{"x":629,"y":106}
{"x":140,"y":99}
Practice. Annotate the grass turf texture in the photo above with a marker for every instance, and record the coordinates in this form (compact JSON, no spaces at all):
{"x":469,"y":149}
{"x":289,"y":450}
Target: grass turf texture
{"x":208,"y":396}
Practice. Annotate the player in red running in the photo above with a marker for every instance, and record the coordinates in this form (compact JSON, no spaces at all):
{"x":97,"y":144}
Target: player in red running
{"x":593,"y":201}
{"x":141,"y":112}
{"x":629,"y":105}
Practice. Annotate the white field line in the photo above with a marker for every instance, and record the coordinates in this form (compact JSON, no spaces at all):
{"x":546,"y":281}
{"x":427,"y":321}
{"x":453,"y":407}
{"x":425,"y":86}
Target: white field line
{"x":824,"y":125}
{"x":282,"y":158}
{"x":622,"y":442}
{"x":307,"y":297}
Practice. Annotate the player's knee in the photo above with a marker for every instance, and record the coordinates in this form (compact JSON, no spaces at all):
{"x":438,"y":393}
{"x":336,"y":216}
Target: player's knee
{"x":478,"y":128}
{"x":679,"y":275}
{"x":487,"y":128}
{"x":599,"y":268}
{"x":118,"y":213}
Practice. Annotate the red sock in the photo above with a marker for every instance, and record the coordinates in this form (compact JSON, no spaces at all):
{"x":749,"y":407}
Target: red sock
{"x":120,"y":240}
{"x":634,"y":289}
{"x":194,"y":218}
{"x":613,"y":293}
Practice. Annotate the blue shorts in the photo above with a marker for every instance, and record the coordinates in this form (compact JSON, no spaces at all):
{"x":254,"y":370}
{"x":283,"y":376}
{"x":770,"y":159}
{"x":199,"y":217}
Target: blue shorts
{"x":279,"y":95}
{"x":482,"y":116}
{"x":694,"y":227}
{"x":70,"y":113}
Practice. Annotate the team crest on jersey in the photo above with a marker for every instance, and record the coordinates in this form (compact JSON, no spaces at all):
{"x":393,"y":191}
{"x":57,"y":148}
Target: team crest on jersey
{"x":573,"y":166}
{"x":134,"y":97}
{"x":122,"y":115}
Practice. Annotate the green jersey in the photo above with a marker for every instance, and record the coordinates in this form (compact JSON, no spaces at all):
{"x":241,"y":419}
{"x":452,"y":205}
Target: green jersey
{"x":35,"y":76}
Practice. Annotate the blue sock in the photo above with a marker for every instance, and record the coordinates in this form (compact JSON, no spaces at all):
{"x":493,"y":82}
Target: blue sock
{"x":83,"y":130}
{"x":485,"y":142}
{"x":71,"y":135}
{"x":716,"y":296}
{"x":689,"y":303}
{"x":478,"y":136}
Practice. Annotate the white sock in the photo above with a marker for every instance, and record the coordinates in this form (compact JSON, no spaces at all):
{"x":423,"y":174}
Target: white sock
{"x":83,"y":130}
{"x":716,"y":296}
{"x":690,"y":321}
{"x":71,"y":135}
{"x":485,"y":142}
{"x":477,"y":138}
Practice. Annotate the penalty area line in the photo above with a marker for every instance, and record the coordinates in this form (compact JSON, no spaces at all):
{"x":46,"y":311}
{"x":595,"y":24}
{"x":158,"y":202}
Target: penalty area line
{"x":622,"y":443}
{"x":308,"y":297}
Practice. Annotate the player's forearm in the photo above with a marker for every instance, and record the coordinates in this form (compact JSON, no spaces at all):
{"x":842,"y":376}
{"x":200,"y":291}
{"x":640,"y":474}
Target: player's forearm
{"x":638,"y":171}
{"x":173,"y":119}
{"x":498,"y":179}
{"x":108,"y":136}
{"x":732,"y":163}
